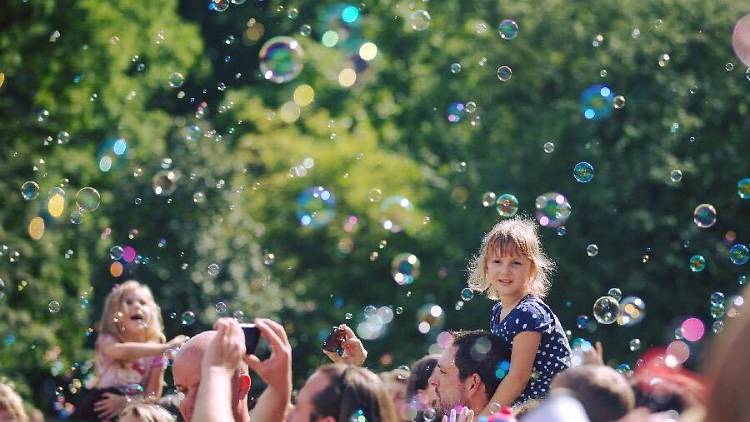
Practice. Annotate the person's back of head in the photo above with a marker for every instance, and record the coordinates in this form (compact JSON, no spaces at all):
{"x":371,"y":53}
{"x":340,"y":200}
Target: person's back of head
{"x":420,"y":374}
{"x":603,"y":392}
{"x":11,"y":405}
{"x":480,"y":352}
{"x":143,"y":412}
{"x":353,"y":391}
{"x":728,"y":369}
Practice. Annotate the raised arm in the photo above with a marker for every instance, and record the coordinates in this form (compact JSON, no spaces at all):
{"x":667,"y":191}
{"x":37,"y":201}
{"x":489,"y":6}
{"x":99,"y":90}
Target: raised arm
{"x":276,"y":371}
{"x":130,"y":350}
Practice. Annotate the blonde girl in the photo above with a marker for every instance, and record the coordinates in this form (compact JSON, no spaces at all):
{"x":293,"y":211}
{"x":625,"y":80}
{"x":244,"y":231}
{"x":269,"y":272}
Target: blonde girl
{"x":129,"y":349}
{"x":512,"y":269}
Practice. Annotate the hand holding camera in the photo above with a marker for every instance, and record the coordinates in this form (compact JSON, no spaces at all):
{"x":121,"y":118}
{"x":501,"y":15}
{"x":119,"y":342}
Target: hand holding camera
{"x":343,"y":346}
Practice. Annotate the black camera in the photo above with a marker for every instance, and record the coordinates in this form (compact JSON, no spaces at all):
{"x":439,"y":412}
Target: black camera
{"x":252,"y":336}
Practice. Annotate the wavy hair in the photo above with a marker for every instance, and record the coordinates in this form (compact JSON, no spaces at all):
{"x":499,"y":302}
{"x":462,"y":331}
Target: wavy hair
{"x":111,"y":315}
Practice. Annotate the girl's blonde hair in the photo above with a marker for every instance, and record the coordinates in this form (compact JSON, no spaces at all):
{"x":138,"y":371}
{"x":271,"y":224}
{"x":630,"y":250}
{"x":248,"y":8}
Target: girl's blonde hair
{"x":11,"y":402}
{"x":112,"y":315}
{"x":519,"y":236}
{"x":148,"y":413}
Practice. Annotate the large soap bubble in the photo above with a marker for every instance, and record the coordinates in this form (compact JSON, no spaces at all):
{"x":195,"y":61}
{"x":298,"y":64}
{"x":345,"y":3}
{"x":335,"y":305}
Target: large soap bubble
{"x":281,"y":59}
{"x":315,"y":207}
{"x":552,"y":209}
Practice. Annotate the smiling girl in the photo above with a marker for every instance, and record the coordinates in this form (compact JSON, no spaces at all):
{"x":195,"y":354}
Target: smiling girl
{"x":512,"y":269}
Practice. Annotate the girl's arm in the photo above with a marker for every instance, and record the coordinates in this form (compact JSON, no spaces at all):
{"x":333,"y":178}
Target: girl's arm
{"x":155,"y":384}
{"x":131,"y":350}
{"x":525,"y":346}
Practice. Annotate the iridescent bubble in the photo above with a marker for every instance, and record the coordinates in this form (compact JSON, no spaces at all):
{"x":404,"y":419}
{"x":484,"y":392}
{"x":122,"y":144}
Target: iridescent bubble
{"x":188,"y":318}
{"x":704,"y":216}
{"x":583,"y":172}
{"x":176,"y":80}
{"x":315,"y":207}
{"x":743,"y":188}
{"x":697,"y":263}
{"x":632,"y":311}
{"x":615,"y":293}
{"x":596,"y":102}
{"x":717,"y":310}
{"x":675,"y":176}
{"x":717,"y":326}
{"x":742,"y":279}
{"x":396,"y":213}
{"x":199,"y":197}
{"x":456,"y":68}
{"x":281,"y":59}
{"x":592,"y":250}
{"x":549,"y":147}
{"x":54,"y":306}
{"x":618,"y":102}
{"x":29,"y":190}
{"x":405,"y":268}
{"x":504,"y":73}
{"x":634,"y":344}
{"x":116,"y":252}
{"x":430,"y":317}
{"x":456,"y":112}
{"x":508,"y":29}
{"x":165,"y":182}
{"x":419,"y":20}
{"x":582,"y":321}
{"x":305,"y":30}
{"x":624,"y":369}
{"x":741,"y":39}
{"x":552,"y":209}
{"x":218,"y":5}
{"x":606,"y":309}
{"x":213,"y":270}
{"x":739,"y":254}
{"x":221,"y":308}
{"x":471,"y":107}
{"x":467,"y":294}
{"x":717,"y":298}
{"x":63,"y":137}
{"x":506,"y":205}
{"x":112,"y":154}
{"x":88,"y":199}
{"x":488,"y":199}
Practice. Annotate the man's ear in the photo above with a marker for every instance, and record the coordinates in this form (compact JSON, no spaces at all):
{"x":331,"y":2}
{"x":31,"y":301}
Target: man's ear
{"x":474,"y":384}
{"x":243,"y":385}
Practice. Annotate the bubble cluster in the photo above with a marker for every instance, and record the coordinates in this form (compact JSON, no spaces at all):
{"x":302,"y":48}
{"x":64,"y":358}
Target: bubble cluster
{"x":552,"y":209}
{"x":405,"y":268}
{"x":281,"y":59}
{"x":506,"y":205}
{"x":583,"y":172}
{"x":704,"y":216}
{"x":315,"y":207}
{"x":606,"y":309}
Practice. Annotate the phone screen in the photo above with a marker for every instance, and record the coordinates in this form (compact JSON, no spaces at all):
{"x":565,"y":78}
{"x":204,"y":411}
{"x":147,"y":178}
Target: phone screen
{"x":252,"y":336}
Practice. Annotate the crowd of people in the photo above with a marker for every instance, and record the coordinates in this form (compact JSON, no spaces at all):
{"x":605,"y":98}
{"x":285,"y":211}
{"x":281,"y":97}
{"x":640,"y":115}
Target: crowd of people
{"x":520,"y":368}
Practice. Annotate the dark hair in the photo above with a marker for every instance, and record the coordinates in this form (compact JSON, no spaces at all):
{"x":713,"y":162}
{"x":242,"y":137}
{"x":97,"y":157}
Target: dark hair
{"x":602,"y":391}
{"x":351,"y":391}
{"x":420,"y":375}
{"x":479,"y":352}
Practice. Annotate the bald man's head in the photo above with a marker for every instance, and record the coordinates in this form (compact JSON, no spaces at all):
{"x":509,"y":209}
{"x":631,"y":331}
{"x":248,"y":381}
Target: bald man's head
{"x":186,"y":371}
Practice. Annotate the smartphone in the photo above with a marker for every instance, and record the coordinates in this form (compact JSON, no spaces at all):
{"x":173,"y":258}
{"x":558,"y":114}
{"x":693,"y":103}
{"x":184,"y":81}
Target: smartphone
{"x":252,"y":336}
{"x":334,"y":341}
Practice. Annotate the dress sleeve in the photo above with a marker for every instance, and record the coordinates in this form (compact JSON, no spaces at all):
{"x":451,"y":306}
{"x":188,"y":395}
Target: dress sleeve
{"x":495,"y":319}
{"x":531,"y":316}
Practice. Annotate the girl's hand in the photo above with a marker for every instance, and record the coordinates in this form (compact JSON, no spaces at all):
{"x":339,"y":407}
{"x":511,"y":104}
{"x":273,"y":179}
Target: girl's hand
{"x":177,"y":341}
{"x":354,"y":350}
{"x":594,"y":355}
{"x":466,"y":415}
{"x":110,"y":406}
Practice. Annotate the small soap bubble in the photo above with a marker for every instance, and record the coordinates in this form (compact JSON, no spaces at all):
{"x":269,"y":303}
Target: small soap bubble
{"x":467,"y":294}
{"x":76,"y":217}
{"x":221,"y":308}
{"x":552,"y":209}
{"x":188,"y":318}
{"x":419,"y":20}
{"x":348,"y":316}
{"x":42,"y":116}
{"x":268,"y":258}
{"x":116,"y":252}
{"x":281,"y":59}
{"x":54,"y":306}
{"x":743,"y":188}
{"x":663,"y":60}
{"x":592,"y":250}
{"x":675,"y":176}
{"x":504,"y":73}
{"x":199,"y":197}
{"x":29,"y":190}
{"x":63,"y":137}
{"x":88,"y":199}
{"x":582,"y":321}
{"x":506,"y":205}
{"x":729,"y":67}
{"x":508,"y":29}
{"x":549,"y":147}
{"x":615,"y":293}
{"x":717,"y":298}
{"x":405,"y":268}
{"x":742,"y":279}
{"x":176,"y":80}
{"x":635,"y":345}
{"x":455,"y":68}
{"x":739,"y":254}
{"x":488,"y":199}
{"x":583,"y":172}
{"x":213,"y":270}
{"x":618,"y":102}
{"x":632,"y":311}
{"x":697,"y":263}
{"x":704,"y":216}
{"x":305,"y":30}
{"x":606,"y":309}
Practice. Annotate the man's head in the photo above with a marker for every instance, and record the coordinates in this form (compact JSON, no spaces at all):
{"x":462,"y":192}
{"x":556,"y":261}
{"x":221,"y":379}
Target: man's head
{"x":186,"y":372}
{"x":467,"y":371}
{"x":603,"y":392}
{"x":338,"y":392}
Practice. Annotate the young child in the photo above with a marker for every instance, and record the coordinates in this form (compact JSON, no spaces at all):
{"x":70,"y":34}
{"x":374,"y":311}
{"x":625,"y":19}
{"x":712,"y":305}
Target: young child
{"x":512,"y":269}
{"x":142,"y":412}
{"x":129,"y":350}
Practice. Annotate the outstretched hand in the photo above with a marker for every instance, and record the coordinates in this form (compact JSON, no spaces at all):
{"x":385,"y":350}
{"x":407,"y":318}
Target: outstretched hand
{"x":594,"y":355}
{"x":354,"y":351}
{"x":227,"y":348}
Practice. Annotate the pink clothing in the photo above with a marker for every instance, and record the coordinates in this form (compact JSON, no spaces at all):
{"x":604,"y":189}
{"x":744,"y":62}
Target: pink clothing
{"x":115,"y":373}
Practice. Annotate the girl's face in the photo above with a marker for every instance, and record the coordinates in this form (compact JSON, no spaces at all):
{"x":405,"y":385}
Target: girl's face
{"x":509,"y":274}
{"x":136,"y":311}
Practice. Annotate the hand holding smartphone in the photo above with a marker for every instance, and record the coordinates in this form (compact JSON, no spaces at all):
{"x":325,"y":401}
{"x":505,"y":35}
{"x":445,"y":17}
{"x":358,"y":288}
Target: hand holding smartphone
{"x":252,"y":336}
{"x":334,"y":341}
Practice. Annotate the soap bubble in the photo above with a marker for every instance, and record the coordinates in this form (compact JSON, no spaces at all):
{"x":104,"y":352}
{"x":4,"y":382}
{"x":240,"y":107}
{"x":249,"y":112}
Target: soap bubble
{"x":54,"y":306}
{"x":549,"y":147}
{"x":506,"y":205}
{"x":741,"y":39}
{"x":176,"y":80}
{"x":456,"y":68}
{"x":675,"y":176}
{"x":508,"y":29}
{"x":606,"y":309}
{"x":582,"y":321}
{"x":281,"y":59}
{"x":116,"y":252}
{"x":88,"y":199}
{"x":213,"y":270}
{"x":430,"y":317}
{"x":552,"y":209}
{"x":697,"y":263}
{"x":615,"y":293}
{"x":704,"y":216}
{"x":618,"y":102}
{"x":315,"y":207}
{"x":488,"y":199}
{"x":742,"y":279}
{"x":583,"y":172}
{"x":634,"y":344}
{"x":29,"y":190}
{"x":596,"y":102}
{"x":419,"y":20}
{"x":188,"y":318}
{"x":405,"y":268}
{"x":717,"y":298}
{"x":467,"y":294}
{"x":221,"y":308}
{"x":456,"y":112}
{"x":743,"y":188}
{"x":739,"y":254}
{"x":632,"y":311}
{"x":396,"y":213}
{"x":165,"y":182}
{"x":592,"y":250}
{"x":504,"y":73}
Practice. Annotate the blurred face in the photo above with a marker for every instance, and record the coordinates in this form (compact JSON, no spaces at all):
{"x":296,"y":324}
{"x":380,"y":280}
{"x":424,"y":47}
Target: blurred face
{"x":448,"y":387}
{"x":304,"y":410}
{"x":6,"y":416}
{"x":509,"y":274}
{"x":397,"y":393}
{"x":136,"y":312}
{"x":187,"y":378}
{"x":428,"y":397}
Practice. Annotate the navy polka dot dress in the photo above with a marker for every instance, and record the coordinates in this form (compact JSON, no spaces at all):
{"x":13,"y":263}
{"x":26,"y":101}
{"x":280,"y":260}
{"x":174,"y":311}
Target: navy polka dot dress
{"x":553,"y":355}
